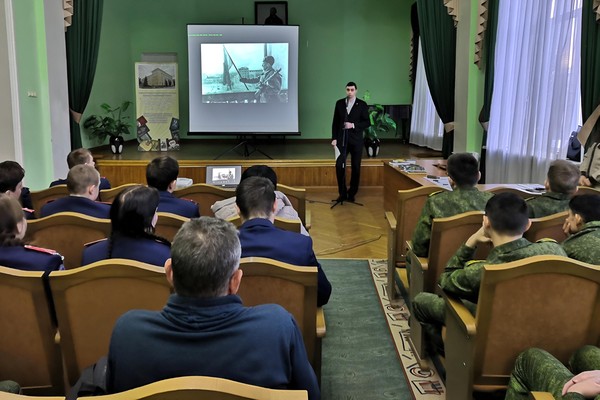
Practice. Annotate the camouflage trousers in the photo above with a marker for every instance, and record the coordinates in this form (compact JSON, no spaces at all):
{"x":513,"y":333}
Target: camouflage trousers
{"x":537,"y":370}
{"x":10,"y":387}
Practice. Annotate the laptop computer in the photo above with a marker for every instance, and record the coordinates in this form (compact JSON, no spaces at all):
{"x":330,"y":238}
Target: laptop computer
{"x":223,"y":175}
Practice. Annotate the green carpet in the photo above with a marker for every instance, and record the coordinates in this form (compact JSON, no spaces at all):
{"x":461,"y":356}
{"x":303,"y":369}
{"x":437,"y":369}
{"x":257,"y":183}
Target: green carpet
{"x":359,"y":358}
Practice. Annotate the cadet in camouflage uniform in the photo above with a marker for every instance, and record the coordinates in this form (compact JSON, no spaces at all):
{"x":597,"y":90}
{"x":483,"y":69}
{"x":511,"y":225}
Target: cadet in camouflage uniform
{"x":561,"y":185}
{"x":504,"y":223}
{"x":583,"y":226}
{"x":463,"y":171}
{"x":537,"y":370}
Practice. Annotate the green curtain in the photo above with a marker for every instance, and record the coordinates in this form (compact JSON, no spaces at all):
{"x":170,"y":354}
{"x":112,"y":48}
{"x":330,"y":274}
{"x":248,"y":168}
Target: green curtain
{"x":438,"y":42}
{"x":590,"y":64}
{"x":82,"y":41}
{"x":489,"y":59}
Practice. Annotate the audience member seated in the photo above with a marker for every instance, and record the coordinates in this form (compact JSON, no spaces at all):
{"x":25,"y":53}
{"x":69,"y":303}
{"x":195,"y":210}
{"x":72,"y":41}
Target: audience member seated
{"x":83,"y":183}
{"x":161,"y":173}
{"x":536,"y":370}
{"x":78,"y":157}
{"x":133,"y":218}
{"x":463,"y":174}
{"x":204,"y":329}
{"x":255,"y":198}
{"x":226,"y":209}
{"x":561,"y":184}
{"x":11,"y":183}
{"x":583,"y":226}
{"x":505,"y":221}
{"x":14,"y":253}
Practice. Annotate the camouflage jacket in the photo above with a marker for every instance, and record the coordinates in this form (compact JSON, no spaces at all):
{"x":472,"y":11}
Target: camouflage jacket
{"x":462,"y":276}
{"x":445,"y":204}
{"x":585,"y":244}
{"x":547,"y":204}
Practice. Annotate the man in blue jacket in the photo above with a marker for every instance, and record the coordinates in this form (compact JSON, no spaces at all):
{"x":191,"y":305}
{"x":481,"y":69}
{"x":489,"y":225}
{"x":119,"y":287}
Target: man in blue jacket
{"x":255,"y":197}
{"x":161,"y":173}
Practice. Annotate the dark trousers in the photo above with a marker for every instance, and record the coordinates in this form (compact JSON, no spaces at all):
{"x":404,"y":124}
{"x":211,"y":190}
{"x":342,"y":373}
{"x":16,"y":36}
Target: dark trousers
{"x":353,"y":145}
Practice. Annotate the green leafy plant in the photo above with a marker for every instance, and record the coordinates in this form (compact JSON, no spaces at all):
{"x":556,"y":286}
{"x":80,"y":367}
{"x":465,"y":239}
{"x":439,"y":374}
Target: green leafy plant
{"x":381,"y":122}
{"x":112,"y":123}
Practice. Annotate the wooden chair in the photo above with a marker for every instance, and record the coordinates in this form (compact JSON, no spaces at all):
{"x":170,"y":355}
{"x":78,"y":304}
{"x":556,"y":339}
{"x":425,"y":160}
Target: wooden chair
{"x":41,"y":197}
{"x":292,"y":225}
{"x":401,"y":225}
{"x":168,"y":225}
{"x":586,"y":190}
{"x":30,"y":355}
{"x":550,"y":302}
{"x":297,"y":197}
{"x":507,"y":189}
{"x":108,"y":195}
{"x":292,"y":287}
{"x":205,"y":195}
{"x":90,"y":299}
{"x":547,"y":227}
{"x":67,"y":233}
{"x":447,"y":235}
{"x":541,"y":396}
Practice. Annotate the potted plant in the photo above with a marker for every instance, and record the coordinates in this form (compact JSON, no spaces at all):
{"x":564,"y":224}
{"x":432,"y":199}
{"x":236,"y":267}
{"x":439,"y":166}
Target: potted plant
{"x":113,"y":124}
{"x":381,"y":122}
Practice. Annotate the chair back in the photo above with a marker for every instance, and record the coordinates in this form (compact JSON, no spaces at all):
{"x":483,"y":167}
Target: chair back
{"x":168,"y":225}
{"x":507,"y":189}
{"x":30,"y":355}
{"x":90,"y":299}
{"x":586,"y":190}
{"x":40,"y":197}
{"x":108,"y":195}
{"x":550,"y":302}
{"x":550,"y":226}
{"x":205,"y":195}
{"x":67,"y":233}
{"x":292,"y":287}
{"x":287,"y":224}
{"x":297,"y":197}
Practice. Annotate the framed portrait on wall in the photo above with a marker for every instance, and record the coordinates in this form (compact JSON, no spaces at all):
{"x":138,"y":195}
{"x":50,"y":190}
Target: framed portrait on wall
{"x":270,"y":13}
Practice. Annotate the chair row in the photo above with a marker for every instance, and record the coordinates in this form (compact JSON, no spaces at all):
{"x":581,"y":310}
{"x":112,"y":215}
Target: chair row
{"x":203,"y":194}
{"x":69,"y":315}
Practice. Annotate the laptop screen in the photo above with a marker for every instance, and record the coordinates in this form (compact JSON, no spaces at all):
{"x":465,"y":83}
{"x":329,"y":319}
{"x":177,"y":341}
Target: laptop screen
{"x":223,"y":175}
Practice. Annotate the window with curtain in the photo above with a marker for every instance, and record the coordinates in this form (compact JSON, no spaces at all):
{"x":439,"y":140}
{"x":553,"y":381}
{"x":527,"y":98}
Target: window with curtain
{"x":536,"y":102}
{"x":426,"y":127}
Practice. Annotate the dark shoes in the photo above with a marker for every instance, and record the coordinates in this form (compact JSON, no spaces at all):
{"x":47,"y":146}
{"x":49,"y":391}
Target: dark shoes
{"x":351,"y":199}
{"x":340,"y":199}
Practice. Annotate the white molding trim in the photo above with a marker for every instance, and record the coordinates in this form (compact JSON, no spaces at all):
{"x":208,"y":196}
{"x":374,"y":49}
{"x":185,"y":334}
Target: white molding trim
{"x":14,"y":80}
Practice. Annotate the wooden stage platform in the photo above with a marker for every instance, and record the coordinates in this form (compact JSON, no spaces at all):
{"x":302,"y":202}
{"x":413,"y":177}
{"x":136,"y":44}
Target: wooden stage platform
{"x":300,"y":163}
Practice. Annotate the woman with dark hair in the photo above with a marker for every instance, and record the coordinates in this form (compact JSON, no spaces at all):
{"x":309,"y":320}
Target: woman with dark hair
{"x":14,"y":253}
{"x":133,"y":218}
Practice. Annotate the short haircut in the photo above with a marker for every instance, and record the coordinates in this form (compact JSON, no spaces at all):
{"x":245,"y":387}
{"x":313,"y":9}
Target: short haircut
{"x":161,"y":171}
{"x":205,"y":253}
{"x":78,"y":157}
{"x":352,"y":84}
{"x":507,"y":213}
{"x":80,"y":177}
{"x":11,"y":173}
{"x":261,"y":170}
{"x":12,"y":214}
{"x":587,"y":206}
{"x":463,"y":168}
{"x":132,"y":211}
{"x":255,"y":197}
{"x":563,"y":177}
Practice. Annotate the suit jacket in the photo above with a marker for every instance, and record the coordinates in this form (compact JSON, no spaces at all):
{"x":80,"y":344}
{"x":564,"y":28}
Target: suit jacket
{"x":260,"y":238}
{"x":77,"y":204}
{"x":144,"y":250}
{"x":171,"y":204}
{"x":104,"y":183}
{"x":30,"y":258}
{"x":359,"y":115}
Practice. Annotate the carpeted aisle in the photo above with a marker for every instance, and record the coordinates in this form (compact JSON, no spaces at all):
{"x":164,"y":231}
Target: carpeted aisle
{"x":359,"y":358}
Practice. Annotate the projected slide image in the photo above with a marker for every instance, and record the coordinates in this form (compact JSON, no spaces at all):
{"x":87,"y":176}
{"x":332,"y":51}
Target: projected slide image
{"x":244,"y":72}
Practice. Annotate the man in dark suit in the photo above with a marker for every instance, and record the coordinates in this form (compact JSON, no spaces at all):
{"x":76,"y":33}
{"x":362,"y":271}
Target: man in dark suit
{"x":83,"y":183}
{"x":255,"y":198}
{"x":350,"y":119}
{"x":161,"y":173}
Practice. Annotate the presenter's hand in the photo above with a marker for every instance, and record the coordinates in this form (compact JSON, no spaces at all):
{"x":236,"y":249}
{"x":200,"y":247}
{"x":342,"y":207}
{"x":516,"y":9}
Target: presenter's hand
{"x":584,"y":181}
{"x":334,"y":142}
{"x":348,"y":125}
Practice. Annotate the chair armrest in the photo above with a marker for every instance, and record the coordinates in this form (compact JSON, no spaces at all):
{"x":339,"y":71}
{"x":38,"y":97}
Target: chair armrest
{"x":541,"y":396}
{"x":457,"y":310}
{"x":321,"y":328}
{"x":391,"y":219}
{"x":416,"y":262}
{"x":308,"y":218}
